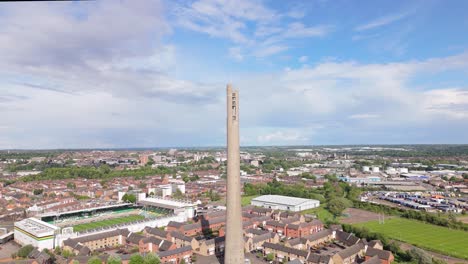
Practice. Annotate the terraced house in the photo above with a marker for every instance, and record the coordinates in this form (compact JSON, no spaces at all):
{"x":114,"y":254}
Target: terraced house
{"x":97,"y":241}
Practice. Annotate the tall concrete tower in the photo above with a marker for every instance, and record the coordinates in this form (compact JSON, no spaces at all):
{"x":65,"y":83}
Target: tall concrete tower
{"x":234,"y":249}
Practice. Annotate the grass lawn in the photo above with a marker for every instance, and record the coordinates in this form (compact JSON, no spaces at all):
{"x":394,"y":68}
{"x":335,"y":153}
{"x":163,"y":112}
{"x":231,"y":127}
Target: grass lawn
{"x":108,"y":222}
{"x":323,"y":214}
{"x":435,"y":238}
{"x":246,"y":199}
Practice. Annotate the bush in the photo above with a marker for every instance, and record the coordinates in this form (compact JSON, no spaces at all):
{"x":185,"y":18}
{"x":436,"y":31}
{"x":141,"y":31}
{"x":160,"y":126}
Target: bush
{"x":113,"y":259}
{"x":94,"y":260}
{"x":67,"y":253}
{"x":136,"y":259}
{"x":24,"y":251}
{"x":151,"y":258}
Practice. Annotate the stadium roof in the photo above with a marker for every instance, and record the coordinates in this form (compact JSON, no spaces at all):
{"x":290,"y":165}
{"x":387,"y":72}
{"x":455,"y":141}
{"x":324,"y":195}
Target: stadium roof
{"x":164,"y":203}
{"x":280,"y":199}
{"x":36,"y":227}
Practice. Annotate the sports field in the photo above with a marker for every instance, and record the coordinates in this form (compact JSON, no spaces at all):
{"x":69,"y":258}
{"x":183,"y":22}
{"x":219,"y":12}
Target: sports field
{"x":108,"y":222}
{"x":434,"y":238}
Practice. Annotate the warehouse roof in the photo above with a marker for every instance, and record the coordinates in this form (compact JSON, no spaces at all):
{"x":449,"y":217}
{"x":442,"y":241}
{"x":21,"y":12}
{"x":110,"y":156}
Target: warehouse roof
{"x":280,"y":199}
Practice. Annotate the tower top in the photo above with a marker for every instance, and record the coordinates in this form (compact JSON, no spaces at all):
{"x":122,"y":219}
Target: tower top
{"x":229,"y":89}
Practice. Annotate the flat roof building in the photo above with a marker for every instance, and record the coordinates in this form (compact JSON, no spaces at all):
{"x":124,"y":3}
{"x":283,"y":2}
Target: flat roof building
{"x":281,"y":202}
{"x":35,"y":232}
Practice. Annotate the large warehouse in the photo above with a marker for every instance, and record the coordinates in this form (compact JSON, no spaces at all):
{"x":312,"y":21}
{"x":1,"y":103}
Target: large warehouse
{"x":285,"y":202}
{"x":35,"y":232}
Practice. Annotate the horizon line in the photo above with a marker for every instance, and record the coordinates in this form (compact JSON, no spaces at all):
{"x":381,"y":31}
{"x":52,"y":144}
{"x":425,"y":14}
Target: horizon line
{"x":246,"y":146}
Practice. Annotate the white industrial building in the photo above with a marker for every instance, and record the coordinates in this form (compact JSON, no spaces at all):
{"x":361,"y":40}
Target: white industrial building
{"x":285,"y":202}
{"x":36,"y":233}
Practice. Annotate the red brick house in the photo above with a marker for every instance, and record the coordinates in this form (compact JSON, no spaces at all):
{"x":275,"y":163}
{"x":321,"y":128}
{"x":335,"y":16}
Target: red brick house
{"x":385,"y":256}
{"x":176,"y":255}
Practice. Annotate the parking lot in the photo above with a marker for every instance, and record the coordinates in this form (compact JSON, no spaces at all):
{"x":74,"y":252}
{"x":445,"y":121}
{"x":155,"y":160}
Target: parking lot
{"x":7,"y":249}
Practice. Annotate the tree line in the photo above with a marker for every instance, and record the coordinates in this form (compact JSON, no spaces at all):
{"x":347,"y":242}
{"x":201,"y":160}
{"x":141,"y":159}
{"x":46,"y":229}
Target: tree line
{"x":435,"y":219}
{"x":414,"y":255}
{"x":101,"y":172}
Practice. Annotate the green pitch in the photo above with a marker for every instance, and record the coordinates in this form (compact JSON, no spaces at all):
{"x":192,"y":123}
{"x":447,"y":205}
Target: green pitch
{"x":431,"y":237}
{"x":108,"y":222}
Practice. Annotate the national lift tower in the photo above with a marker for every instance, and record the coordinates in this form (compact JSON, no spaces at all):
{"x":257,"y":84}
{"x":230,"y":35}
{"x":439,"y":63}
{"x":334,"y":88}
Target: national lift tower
{"x":234,"y":248}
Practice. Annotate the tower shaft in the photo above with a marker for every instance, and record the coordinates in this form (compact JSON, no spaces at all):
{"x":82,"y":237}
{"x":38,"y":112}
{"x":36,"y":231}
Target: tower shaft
{"x":234,"y":249}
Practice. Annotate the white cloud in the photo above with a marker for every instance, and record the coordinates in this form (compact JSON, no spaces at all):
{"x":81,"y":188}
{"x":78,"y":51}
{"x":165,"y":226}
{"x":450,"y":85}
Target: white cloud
{"x":236,"y":53}
{"x":269,"y":50}
{"x":299,"y":30}
{"x":233,"y":20}
{"x":336,"y":94}
{"x":281,"y":137}
{"x":450,"y":103}
{"x":381,"y":21}
{"x":303,"y":59}
{"x":286,"y":107}
{"x":363,"y":116}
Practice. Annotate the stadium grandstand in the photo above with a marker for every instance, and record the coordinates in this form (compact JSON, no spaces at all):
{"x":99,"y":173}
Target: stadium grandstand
{"x":172,"y":205}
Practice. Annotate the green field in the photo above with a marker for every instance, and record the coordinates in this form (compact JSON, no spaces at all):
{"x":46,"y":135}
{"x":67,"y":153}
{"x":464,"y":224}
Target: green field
{"x":108,"y":222}
{"x":323,"y":214}
{"x":246,"y":199}
{"x":434,"y":238}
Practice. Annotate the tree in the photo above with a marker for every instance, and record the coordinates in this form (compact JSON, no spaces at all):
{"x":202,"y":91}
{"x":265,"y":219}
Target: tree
{"x":419,"y":256}
{"x":178,"y":194}
{"x":94,"y":260}
{"x":270,"y":256}
{"x":194,"y":178}
{"x":136,"y":259}
{"x":129,"y":198}
{"x":452,"y":217}
{"x":308,"y":175}
{"x":50,"y":254}
{"x":67,"y":253}
{"x":151,"y":258}
{"x":71,"y":185}
{"x":58,"y":250}
{"x":114,"y":259}
{"x":182,"y":261}
{"x":38,"y":191}
{"x":24,"y":251}
{"x":353,"y":193}
{"x":185,"y":177}
{"x":214,"y":196}
{"x":105,"y":169}
{"x":337,"y":205}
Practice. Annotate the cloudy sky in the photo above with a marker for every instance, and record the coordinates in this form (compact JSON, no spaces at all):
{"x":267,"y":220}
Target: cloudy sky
{"x":149,"y":73}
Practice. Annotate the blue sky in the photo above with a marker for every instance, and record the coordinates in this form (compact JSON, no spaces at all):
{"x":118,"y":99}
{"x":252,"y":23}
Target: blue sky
{"x":153,"y":73}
